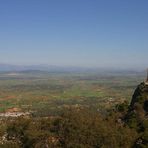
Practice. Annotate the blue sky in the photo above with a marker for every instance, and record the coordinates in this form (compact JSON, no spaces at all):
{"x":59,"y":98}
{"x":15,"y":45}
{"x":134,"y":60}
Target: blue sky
{"x":89,"y":33}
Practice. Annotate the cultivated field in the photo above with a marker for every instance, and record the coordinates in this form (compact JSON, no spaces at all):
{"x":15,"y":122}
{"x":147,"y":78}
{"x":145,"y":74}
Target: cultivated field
{"x":44,"y":93}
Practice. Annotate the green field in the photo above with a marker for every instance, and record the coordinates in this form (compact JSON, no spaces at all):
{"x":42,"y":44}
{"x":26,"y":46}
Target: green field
{"x":47,"y":93}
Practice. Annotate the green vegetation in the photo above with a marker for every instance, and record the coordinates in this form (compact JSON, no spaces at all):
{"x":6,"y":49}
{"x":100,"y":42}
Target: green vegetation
{"x":74,"y":111}
{"x":73,"y":128}
{"x":48,"y":93}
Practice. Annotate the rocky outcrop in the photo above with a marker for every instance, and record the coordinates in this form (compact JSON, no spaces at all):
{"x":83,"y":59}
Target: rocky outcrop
{"x":138,"y":109}
{"x":137,"y":115}
{"x":140,"y":99}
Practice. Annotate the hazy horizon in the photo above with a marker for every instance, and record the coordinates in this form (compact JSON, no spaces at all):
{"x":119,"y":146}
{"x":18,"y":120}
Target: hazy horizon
{"x":77,"y":33}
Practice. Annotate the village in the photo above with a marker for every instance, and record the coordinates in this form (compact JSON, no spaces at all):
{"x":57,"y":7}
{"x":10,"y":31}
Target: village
{"x":14,"y":112}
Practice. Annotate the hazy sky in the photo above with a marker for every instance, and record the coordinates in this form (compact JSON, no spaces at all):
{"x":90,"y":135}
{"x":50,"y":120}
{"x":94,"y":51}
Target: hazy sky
{"x":74,"y":32}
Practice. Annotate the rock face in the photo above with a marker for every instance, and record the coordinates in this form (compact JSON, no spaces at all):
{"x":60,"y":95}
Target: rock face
{"x":138,"y":110}
{"x":140,"y":98}
{"x":137,"y":115}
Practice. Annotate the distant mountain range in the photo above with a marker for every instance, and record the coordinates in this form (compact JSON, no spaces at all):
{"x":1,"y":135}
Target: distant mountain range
{"x":51,"y":68}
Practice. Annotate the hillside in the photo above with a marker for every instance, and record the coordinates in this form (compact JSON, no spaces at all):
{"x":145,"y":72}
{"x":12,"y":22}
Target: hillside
{"x":140,"y":97}
{"x":139,"y":103}
{"x":122,"y":127}
{"x":137,"y":118}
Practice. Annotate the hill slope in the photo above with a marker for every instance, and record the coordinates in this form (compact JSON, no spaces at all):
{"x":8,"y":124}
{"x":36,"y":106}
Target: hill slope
{"x":137,"y":116}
